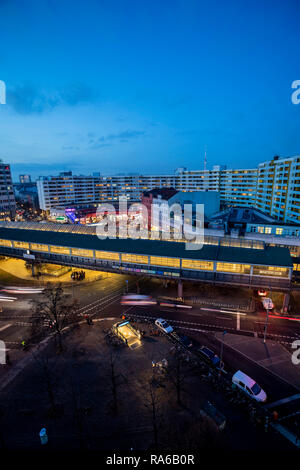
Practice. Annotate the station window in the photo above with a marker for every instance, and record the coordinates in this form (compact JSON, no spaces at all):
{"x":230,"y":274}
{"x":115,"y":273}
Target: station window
{"x":233,"y":268}
{"x":60,"y":249}
{"x":197,"y":264}
{"x":21,"y":245}
{"x":161,"y":261}
{"x":279,"y":231}
{"x":81,"y":252}
{"x":5,"y":243}
{"x":38,"y":247}
{"x":107,"y":255}
{"x":275,"y":271}
{"x":126,"y":258}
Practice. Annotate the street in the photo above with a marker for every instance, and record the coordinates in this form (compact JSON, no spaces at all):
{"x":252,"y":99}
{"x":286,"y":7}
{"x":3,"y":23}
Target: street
{"x":101,"y":299}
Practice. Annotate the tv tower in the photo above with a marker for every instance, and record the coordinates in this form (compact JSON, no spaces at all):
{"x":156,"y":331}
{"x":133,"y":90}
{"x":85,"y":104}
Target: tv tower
{"x":205,"y":160}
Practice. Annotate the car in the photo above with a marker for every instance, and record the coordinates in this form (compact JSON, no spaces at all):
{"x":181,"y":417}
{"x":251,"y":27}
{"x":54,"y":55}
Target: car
{"x":209,"y":356}
{"x":267,"y":303}
{"x":163,"y":325}
{"x":249,"y":386}
{"x":185,"y":340}
{"x":262,"y":293}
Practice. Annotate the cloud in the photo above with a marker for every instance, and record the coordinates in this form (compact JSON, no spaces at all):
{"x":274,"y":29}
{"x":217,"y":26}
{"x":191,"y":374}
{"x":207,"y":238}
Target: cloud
{"x":123,"y":135}
{"x":28,"y":99}
{"x":106,"y":141}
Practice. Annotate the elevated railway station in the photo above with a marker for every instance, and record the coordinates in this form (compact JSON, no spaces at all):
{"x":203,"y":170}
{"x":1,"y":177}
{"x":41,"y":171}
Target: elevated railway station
{"x":255,"y":266}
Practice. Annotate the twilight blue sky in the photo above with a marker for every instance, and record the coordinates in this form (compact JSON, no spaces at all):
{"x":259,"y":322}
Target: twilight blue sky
{"x":143,"y":86}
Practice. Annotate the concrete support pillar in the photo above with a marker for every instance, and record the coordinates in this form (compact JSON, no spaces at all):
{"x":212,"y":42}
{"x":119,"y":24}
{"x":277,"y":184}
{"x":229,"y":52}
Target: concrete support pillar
{"x":180,"y":289}
{"x":286,"y":302}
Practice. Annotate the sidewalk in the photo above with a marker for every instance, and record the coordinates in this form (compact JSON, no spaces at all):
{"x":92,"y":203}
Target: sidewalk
{"x":17,"y":268}
{"x":271,"y":356}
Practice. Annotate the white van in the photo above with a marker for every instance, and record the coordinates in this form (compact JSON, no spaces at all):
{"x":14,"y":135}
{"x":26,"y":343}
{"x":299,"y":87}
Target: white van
{"x":249,"y":386}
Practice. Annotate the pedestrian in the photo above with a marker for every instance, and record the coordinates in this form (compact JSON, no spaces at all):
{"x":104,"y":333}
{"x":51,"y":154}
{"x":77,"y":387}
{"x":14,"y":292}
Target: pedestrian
{"x":8,"y":359}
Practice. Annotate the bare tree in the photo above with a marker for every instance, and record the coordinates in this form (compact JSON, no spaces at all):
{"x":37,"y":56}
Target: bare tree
{"x":152,"y":404}
{"x":177,"y":372}
{"x":113,"y":378}
{"x":54,"y":310}
{"x":50,"y":377}
{"x":78,"y":411}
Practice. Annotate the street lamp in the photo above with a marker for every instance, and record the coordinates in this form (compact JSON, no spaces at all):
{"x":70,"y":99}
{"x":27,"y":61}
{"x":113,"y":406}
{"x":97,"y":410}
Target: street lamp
{"x":266,"y":326}
{"x":221,"y":354}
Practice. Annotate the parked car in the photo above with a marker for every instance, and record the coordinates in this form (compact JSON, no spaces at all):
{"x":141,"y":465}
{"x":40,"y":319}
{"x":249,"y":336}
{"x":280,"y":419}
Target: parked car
{"x":163,"y":325}
{"x":267,"y":303}
{"x":262,"y":293}
{"x":249,"y":386}
{"x":185,"y":340}
{"x":209,"y":356}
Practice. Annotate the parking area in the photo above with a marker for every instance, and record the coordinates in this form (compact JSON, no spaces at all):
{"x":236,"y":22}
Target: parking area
{"x":100,"y":394}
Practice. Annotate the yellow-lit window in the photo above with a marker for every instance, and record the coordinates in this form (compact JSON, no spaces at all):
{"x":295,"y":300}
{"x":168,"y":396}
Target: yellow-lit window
{"x":161,"y":261}
{"x":39,"y":247}
{"x":126,"y":258}
{"x":197,"y":264}
{"x":21,"y":245}
{"x":268,"y":230}
{"x":5,"y":243}
{"x":80,"y":252}
{"x":260,"y":229}
{"x":279,"y":231}
{"x":60,"y":249}
{"x":275,"y":271}
{"x":109,"y":255}
{"x":233,"y":268}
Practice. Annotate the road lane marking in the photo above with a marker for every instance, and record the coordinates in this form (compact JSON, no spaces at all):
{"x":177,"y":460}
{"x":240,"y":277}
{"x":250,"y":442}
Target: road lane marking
{"x":283,"y":401}
{"x":5,"y":326}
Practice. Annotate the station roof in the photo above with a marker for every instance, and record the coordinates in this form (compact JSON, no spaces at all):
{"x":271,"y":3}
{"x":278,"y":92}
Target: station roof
{"x":270,"y":256}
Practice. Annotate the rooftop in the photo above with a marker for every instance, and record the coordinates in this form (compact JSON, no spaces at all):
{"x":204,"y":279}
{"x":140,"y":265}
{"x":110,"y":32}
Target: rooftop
{"x":65,"y":236}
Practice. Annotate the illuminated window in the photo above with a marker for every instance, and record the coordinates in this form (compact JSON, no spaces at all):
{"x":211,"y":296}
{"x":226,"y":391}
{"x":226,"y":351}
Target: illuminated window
{"x":60,"y":249}
{"x":109,"y":255}
{"x":161,"y":261}
{"x":260,"y":229}
{"x":134,"y":259}
{"x":279,"y":231}
{"x":80,"y":252}
{"x":268,"y":230}
{"x":5,"y":243}
{"x":197,"y":264}
{"x":275,"y":271}
{"x":21,"y":245}
{"x":233,"y":268}
{"x":38,"y":247}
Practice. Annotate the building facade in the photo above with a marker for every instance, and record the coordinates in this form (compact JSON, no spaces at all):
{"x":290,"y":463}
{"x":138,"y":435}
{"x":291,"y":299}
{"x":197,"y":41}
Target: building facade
{"x":7,"y":196}
{"x":67,"y":189}
{"x":273,"y":187}
{"x":278,"y":188}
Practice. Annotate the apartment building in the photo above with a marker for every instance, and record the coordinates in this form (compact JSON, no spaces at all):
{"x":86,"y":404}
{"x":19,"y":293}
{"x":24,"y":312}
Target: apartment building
{"x":278,"y":188}
{"x":238,"y":187}
{"x":7,"y":196}
{"x":273,"y":187}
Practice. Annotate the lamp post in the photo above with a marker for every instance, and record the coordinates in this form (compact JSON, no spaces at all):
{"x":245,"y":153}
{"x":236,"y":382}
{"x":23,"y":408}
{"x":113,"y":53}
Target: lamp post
{"x":221,"y":354}
{"x":266,"y":326}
